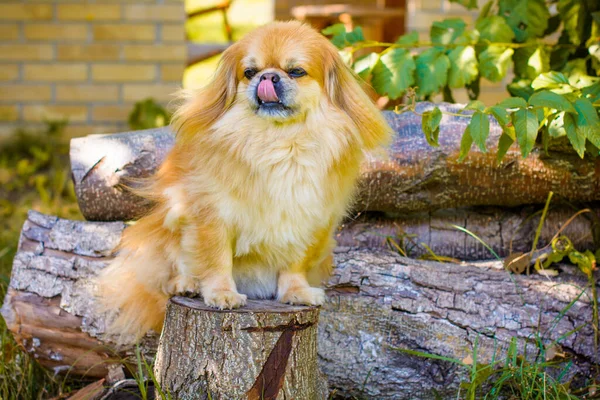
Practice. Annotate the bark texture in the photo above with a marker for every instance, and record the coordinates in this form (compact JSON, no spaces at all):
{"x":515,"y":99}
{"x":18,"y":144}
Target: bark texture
{"x":504,"y":230}
{"x":265,"y":350}
{"x":377,"y":301}
{"x":50,"y":307}
{"x":410,"y":176}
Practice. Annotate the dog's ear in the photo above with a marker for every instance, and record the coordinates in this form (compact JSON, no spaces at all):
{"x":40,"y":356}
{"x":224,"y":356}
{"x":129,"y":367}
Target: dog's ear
{"x":344,"y":90}
{"x":200,"y":108}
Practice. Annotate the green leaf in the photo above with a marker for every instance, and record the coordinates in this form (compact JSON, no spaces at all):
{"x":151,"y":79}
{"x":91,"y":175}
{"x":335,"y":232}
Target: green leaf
{"x":548,"y":99}
{"x":592,"y":92}
{"x":504,"y":121}
{"x":520,"y":88}
{"x":485,"y":11}
{"x":549,"y":80}
{"x":393,"y":73}
{"x":495,"y":29}
{"x":494,"y":62}
{"x":335,"y":29}
{"x":447,"y":31}
{"x":341,"y":38}
{"x":526,"y":128}
{"x":432,"y":71}
{"x":469,"y":4}
{"x":575,"y":136}
{"x":480,"y":129}
{"x":431,"y":125}
{"x":573,"y":15}
{"x":531,"y":61}
{"x":465,"y":144}
{"x":556,"y":126}
{"x":503,"y":145}
{"x":463,"y":66}
{"x":593,"y":135}
{"x":586,"y":113}
{"x":338,"y":32}
{"x":475,"y":105}
{"x":408,"y":38}
{"x":355,"y":36}
{"x":365,"y":64}
{"x":527,"y":18}
{"x":560,"y":55}
{"x":513,"y":102}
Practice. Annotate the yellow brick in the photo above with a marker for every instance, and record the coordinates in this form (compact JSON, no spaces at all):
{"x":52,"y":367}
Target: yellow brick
{"x":77,"y":130}
{"x":89,"y":12}
{"x":173,"y":33}
{"x":172,"y":72}
{"x":9,"y":31}
{"x":86,"y":92}
{"x":9,"y":113}
{"x":123,"y":72}
{"x":136,"y":32}
{"x":159,"y":92}
{"x":429,"y":5}
{"x":41,"y":112}
{"x":88,"y":52}
{"x":54,"y":31}
{"x":422,"y":21}
{"x":25,"y":93}
{"x":143,"y":12}
{"x":26,"y":52}
{"x":25,"y":11}
{"x":118,"y":113}
{"x":55,"y":72}
{"x":150,"y":52}
{"x":9,"y":72}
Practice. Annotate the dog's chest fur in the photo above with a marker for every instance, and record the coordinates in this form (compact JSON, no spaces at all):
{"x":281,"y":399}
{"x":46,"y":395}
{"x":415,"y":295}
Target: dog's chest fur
{"x":279,"y":203}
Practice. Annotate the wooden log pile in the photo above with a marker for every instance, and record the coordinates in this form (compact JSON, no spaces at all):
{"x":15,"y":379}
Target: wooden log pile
{"x":411,"y":176}
{"x":412,"y":195}
{"x":377,"y":301}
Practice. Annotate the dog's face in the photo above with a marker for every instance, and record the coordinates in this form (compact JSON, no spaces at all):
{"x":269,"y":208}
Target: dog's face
{"x":279,"y":74}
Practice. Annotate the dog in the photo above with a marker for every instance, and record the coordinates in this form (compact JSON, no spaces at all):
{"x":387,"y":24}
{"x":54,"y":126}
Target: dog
{"x":262,"y":171}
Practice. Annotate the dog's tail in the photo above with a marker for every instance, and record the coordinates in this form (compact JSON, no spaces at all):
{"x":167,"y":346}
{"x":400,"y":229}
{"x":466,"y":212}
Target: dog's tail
{"x":132,"y":290}
{"x":136,"y":308}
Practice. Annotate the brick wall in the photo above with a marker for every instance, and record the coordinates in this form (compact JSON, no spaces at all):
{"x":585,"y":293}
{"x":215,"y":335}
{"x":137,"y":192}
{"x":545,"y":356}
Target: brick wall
{"x":88,"y":61}
{"x":422,"y":13}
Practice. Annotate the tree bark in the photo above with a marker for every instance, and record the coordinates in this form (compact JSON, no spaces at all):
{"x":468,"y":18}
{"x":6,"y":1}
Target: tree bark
{"x":377,"y":301}
{"x":506,"y":231}
{"x":265,"y":350}
{"x":411,"y":176}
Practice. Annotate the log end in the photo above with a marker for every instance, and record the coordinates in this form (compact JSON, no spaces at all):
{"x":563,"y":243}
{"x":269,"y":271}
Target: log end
{"x":263,"y":350}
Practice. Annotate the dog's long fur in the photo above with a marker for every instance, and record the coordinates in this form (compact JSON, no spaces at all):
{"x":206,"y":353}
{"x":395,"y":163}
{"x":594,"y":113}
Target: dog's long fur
{"x":246,"y":204}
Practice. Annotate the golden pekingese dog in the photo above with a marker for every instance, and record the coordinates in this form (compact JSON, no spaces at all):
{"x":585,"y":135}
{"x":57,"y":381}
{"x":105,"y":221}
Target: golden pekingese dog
{"x":262,"y":171}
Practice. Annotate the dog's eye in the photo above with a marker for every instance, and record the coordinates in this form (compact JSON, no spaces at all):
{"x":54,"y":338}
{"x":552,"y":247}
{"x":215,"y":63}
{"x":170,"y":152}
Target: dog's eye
{"x":250,"y":72}
{"x":296,"y":72}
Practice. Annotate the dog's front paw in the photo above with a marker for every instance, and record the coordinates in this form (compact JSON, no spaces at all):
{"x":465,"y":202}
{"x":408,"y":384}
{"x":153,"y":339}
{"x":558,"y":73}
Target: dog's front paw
{"x":182,"y":284}
{"x":225,"y":299}
{"x":309,"y":296}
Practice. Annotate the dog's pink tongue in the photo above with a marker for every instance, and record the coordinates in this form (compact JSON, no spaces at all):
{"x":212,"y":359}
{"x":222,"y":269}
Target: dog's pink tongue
{"x":266,"y":91}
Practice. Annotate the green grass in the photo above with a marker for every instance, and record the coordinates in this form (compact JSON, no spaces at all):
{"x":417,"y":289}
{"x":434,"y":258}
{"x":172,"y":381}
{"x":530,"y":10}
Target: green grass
{"x":34,"y":174}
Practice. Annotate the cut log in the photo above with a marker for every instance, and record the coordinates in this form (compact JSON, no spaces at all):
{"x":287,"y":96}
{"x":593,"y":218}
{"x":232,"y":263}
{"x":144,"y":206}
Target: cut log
{"x":377,"y":301}
{"x":265,"y":350}
{"x":504,"y":230}
{"x":411,"y":176}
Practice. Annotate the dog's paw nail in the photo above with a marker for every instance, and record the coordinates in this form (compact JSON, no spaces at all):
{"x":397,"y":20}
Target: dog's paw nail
{"x":225,"y":299}
{"x":308,"y":296}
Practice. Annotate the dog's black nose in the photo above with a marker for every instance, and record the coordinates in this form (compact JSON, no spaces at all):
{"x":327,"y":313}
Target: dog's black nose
{"x":272,"y":76}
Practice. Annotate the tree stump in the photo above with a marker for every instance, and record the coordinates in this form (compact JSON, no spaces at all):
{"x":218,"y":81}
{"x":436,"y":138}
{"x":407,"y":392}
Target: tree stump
{"x":265,"y":350}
